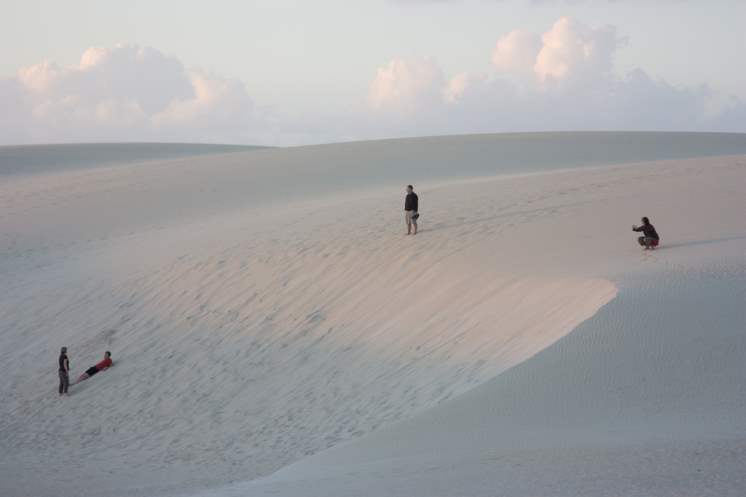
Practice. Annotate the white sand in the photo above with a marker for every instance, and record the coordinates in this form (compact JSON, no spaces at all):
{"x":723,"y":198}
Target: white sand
{"x":249,"y":333}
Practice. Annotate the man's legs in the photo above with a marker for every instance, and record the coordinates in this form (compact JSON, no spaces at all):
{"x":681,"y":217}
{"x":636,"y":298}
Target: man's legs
{"x":408,"y":221}
{"x":64,"y":382}
{"x":414,"y":222}
{"x":647,"y":242}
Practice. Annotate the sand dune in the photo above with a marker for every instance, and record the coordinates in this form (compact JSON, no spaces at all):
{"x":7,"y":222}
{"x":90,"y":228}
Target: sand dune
{"x":260,"y":314}
{"x":69,"y":206}
{"x":24,"y":160}
{"x":645,"y":398}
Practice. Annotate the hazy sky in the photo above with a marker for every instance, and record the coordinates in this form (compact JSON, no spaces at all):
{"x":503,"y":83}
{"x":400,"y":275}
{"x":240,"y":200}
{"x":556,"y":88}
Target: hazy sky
{"x":325,"y":70}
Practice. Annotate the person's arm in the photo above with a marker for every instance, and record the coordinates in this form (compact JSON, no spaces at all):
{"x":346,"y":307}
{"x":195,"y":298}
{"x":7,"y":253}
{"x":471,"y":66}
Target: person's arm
{"x":637,"y":228}
{"x":416,"y":203}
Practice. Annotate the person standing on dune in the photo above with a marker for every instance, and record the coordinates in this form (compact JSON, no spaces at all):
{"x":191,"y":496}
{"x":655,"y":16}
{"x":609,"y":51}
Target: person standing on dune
{"x":105,"y":364}
{"x":64,"y":371}
{"x":649,"y":238}
{"x":411,"y":206}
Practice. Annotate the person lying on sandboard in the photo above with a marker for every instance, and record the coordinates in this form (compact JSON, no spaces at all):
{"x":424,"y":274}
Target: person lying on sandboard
{"x":105,"y":364}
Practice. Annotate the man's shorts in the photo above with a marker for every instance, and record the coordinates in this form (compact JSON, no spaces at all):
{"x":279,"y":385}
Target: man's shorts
{"x":408,"y":217}
{"x":646,"y":240}
{"x":91,"y":371}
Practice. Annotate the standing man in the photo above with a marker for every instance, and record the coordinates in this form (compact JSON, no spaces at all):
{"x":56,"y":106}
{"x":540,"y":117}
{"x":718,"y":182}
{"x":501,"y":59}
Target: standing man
{"x":64,"y":371}
{"x":410,"y":210}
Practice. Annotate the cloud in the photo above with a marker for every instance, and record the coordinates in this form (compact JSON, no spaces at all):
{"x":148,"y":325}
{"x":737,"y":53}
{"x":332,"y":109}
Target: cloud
{"x":126,"y":92}
{"x":572,"y":50}
{"x":515,"y":53}
{"x":457,"y":87}
{"x":406,"y":85}
{"x":219,"y":110}
{"x":569,"y":51}
{"x":562,"y":79}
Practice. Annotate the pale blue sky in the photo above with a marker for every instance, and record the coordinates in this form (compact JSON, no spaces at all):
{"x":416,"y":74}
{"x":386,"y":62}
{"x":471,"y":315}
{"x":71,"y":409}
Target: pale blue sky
{"x":321,"y":56}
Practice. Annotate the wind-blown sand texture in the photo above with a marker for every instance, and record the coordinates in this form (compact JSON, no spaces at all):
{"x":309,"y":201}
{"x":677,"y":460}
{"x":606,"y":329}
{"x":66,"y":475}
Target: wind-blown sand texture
{"x":264,"y":306}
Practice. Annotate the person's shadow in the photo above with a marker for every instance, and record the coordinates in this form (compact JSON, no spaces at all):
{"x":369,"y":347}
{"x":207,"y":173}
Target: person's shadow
{"x":695,"y":243}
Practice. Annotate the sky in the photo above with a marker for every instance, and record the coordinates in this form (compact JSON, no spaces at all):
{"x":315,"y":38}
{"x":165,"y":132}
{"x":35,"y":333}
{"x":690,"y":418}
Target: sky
{"x":286,"y":72}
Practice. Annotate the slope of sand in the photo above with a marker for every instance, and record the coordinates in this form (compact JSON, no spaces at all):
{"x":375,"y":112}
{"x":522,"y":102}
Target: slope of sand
{"x":70,"y":208}
{"x":252,"y":332}
{"x":648,"y":397}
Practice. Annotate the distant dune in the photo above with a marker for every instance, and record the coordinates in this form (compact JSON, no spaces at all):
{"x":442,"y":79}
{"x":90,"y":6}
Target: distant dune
{"x":274,"y":331}
{"x":35,"y":159}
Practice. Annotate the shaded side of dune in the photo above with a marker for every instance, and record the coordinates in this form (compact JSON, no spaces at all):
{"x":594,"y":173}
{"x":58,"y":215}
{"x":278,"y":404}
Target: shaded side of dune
{"x":645,"y":398}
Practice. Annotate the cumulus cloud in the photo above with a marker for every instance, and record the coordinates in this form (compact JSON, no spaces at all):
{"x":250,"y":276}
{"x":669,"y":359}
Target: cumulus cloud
{"x":219,"y":110}
{"x":515,"y":53}
{"x":572,"y":50}
{"x":568,"y":51}
{"x":126,"y":92}
{"x":406,"y":85}
{"x":457,"y":87}
{"x":562,"y":79}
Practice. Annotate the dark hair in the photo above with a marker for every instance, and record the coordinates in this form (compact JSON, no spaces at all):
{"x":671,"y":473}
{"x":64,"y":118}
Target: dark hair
{"x":646,"y":220}
{"x":410,"y":186}
{"x":107,"y":353}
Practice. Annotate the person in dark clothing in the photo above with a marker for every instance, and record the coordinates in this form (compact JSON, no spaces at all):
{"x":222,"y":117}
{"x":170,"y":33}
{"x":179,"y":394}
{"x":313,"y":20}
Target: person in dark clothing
{"x":105,"y":364}
{"x":64,"y":371}
{"x":411,"y":207}
{"x":649,"y":238}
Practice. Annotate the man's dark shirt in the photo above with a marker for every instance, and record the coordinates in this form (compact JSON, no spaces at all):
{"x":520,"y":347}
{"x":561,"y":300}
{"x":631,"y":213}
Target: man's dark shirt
{"x":64,"y":363}
{"x":648,"y":230}
{"x":410,"y":202}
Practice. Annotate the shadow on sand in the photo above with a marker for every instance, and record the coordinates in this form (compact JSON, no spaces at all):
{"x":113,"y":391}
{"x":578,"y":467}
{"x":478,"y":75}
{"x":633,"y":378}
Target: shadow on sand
{"x":695,"y":243}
